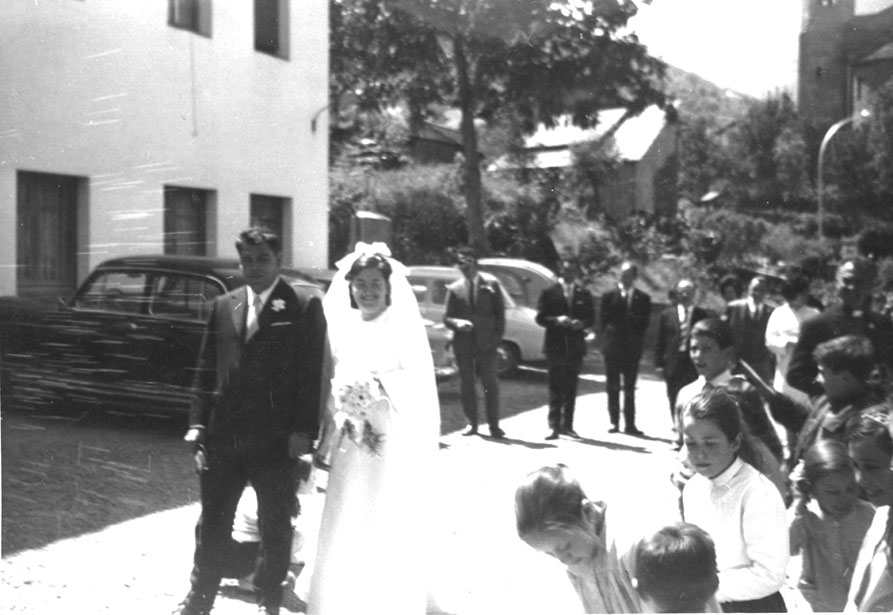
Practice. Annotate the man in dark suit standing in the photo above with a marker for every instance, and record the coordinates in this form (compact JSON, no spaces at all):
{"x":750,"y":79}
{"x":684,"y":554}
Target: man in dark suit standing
{"x":852,"y":315}
{"x":671,"y":358}
{"x":566,"y":310}
{"x":747,"y":319}
{"x":623,"y":320}
{"x":256,"y":412}
{"x":475,"y":312}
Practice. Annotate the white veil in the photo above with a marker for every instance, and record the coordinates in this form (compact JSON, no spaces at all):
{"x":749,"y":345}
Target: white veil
{"x":404,"y":308}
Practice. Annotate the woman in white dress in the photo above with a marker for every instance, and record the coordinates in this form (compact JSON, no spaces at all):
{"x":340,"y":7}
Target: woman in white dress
{"x":783,"y":329}
{"x":385,"y":415}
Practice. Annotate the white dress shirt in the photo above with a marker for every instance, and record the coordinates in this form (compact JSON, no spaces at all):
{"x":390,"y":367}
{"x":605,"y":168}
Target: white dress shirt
{"x":744,"y":514}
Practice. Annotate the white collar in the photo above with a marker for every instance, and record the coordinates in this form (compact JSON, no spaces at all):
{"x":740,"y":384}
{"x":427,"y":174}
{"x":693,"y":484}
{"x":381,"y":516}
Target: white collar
{"x":726,"y":476}
{"x":264,"y":294}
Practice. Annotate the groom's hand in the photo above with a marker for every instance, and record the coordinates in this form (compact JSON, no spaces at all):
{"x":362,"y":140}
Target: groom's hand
{"x":299,"y":444}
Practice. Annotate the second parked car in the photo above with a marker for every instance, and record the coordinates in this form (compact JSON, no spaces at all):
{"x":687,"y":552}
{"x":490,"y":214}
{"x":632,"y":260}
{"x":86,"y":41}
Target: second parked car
{"x":523,"y":341}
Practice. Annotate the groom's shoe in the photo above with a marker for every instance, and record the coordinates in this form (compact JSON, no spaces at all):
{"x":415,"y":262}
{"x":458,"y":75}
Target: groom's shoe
{"x":193,"y":604}
{"x":496,"y":432}
{"x":471,"y":430}
{"x":553,"y":435}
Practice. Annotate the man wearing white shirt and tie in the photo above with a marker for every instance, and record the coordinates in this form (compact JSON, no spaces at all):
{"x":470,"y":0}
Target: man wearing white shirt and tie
{"x":566,"y":310}
{"x":748,"y":318}
{"x":671,"y":358}
{"x":623,"y":318}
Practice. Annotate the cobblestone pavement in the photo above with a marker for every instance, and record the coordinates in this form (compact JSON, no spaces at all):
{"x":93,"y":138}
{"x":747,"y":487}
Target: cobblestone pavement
{"x":480,"y":565}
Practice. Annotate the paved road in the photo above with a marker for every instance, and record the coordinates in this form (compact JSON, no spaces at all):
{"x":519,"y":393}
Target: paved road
{"x":142,"y":566}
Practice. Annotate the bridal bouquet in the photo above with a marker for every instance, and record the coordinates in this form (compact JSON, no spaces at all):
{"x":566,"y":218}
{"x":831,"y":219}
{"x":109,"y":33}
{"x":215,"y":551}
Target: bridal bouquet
{"x":360,"y":404}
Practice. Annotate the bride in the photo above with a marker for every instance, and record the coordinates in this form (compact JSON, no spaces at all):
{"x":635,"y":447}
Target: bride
{"x":386,"y":417}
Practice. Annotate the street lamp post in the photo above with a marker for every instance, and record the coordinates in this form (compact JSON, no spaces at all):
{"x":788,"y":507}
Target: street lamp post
{"x":820,"y":183}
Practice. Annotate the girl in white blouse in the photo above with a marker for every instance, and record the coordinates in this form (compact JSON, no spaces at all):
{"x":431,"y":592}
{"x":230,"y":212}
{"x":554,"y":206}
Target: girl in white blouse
{"x":736,"y":504}
{"x":870,"y":447}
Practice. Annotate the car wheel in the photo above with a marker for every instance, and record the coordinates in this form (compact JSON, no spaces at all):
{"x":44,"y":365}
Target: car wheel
{"x":507,"y":358}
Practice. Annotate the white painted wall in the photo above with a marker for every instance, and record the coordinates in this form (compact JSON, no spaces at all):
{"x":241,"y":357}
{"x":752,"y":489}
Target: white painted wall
{"x":105,"y":89}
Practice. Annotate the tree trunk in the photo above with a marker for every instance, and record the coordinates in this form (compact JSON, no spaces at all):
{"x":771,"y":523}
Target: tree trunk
{"x":473,"y":198}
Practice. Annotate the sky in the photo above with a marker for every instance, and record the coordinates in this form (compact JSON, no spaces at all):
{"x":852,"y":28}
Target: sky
{"x":749,"y":46}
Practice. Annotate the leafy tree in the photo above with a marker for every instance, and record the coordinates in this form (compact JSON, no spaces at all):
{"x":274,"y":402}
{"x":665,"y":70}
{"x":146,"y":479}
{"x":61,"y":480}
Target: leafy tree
{"x":592,"y":164}
{"x":881,"y":142}
{"x":539,"y":58}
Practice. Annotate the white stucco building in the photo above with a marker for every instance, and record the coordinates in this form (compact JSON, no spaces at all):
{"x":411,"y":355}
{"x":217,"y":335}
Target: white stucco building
{"x":131,"y":126}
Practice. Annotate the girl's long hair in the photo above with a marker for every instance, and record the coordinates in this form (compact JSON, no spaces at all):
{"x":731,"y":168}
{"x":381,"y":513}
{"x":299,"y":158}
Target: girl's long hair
{"x":549,"y":498}
{"x":717,"y":405}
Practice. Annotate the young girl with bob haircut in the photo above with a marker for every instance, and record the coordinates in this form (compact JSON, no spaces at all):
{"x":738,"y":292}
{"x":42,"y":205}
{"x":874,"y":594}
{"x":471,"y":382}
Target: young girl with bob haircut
{"x":555,"y":517}
{"x":829,"y":524}
{"x":735,"y":504}
{"x":870,"y":447}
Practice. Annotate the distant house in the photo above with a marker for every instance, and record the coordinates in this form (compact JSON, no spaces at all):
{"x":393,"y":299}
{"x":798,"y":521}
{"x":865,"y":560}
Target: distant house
{"x":433,"y":143}
{"x":646,"y":145}
{"x":846,"y":53}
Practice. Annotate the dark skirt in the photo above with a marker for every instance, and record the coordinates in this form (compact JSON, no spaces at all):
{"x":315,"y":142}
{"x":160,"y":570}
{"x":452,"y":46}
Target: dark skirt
{"x":773,"y":603}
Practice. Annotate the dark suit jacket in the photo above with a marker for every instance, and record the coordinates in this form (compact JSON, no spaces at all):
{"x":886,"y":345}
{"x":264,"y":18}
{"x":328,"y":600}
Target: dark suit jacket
{"x":666,"y":351}
{"x":563,"y":342}
{"x":487,"y":315}
{"x":252,"y":395}
{"x":834,"y":322}
{"x":749,"y":335}
{"x":622,"y":326}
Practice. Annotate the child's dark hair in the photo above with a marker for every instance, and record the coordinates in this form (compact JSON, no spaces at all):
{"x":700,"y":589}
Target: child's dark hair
{"x":753,"y":412}
{"x":824,"y":458}
{"x":371,"y":261}
{"x":852,"y":353}
{"x":717,"y":405}
{"x":873,"y":423}
{"x":676,"y":568}
{"x":714,"y":328}
{"x":549,"y":498}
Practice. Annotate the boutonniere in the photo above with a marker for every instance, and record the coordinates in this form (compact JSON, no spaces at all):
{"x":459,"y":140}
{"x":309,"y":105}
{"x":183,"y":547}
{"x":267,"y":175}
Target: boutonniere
{"x":278,"y":305}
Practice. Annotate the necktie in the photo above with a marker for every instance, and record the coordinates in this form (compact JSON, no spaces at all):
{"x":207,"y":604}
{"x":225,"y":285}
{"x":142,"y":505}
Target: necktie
{"x":254,"y":309}
{"x":471,"y":294}
{"x":684,"y":331}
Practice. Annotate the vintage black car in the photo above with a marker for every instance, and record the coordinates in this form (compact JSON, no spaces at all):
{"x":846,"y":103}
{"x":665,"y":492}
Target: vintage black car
{"x":129,"y":338}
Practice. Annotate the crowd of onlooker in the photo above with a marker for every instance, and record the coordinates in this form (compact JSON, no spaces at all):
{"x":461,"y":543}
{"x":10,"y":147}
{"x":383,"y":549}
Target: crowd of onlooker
{"x":783,"y":422}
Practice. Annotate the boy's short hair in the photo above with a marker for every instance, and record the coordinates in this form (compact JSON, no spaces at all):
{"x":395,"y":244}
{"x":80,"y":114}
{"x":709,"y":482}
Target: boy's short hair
{"x":851,"y":353}
{"x":717,"y":330}
{"x":676,"y":568}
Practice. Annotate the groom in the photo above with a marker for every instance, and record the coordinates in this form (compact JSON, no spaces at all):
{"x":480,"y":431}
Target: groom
{"x":256,"y":412}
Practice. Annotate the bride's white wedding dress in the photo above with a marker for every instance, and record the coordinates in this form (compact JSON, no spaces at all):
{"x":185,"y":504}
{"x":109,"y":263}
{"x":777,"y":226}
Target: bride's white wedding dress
{"x":373,"y":536}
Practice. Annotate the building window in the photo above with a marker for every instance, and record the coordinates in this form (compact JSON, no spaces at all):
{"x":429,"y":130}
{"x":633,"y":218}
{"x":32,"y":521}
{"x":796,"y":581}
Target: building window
{"x":272,"y":213}
{"x":186,"y":220}
{"x":192,"y":15}
{"x":271,"y":21}
{"x":47,"y":223}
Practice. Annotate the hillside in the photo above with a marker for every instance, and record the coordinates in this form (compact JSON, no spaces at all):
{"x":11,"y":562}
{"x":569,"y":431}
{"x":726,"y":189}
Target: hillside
{"x":697,"y":96}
